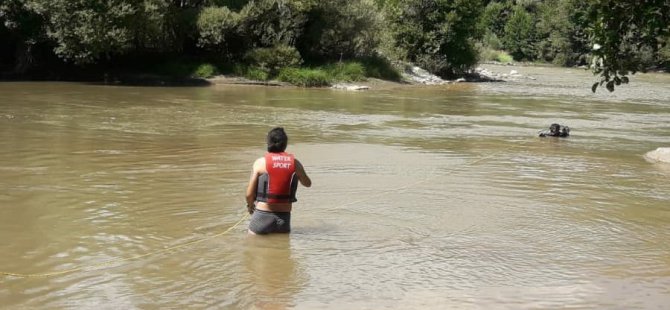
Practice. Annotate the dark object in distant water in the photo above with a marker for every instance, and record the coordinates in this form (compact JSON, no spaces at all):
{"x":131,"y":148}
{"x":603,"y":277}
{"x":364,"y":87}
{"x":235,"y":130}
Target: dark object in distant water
{"x":556,"y":130}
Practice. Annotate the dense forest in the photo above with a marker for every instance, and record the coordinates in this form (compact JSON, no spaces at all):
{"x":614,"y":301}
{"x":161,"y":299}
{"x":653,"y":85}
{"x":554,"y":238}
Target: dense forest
{"x":266,"y":39}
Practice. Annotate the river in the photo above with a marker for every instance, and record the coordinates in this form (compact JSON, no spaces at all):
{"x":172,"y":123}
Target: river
{"x":440,"y":197}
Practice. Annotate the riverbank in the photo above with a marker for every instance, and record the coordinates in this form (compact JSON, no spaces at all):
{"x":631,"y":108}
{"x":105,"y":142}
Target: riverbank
{"x":349,"y":75}
{"x":411,"y":77}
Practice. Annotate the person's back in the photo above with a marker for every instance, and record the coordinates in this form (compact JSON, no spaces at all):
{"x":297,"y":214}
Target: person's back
{"x":272,"y":187}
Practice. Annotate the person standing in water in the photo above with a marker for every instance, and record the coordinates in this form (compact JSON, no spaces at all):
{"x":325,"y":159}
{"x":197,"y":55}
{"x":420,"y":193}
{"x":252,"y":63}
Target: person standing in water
{"x":272,"y":187}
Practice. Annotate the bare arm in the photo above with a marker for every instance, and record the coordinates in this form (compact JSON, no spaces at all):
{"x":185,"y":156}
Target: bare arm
{"x":302,"y":175}
{"x":253,"y":184}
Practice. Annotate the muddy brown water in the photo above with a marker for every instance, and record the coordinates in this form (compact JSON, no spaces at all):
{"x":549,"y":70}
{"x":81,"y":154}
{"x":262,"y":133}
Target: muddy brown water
{"x":436,"y":197}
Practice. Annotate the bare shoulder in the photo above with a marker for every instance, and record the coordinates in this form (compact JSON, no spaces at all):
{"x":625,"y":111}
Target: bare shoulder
{"x":259,"y":165}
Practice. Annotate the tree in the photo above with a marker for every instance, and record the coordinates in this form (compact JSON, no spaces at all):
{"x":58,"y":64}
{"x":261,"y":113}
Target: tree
{"x":341,"y":29}
{"x":23,"y":27}
{"x":495,"y":17}
{"x":216,"y":25}
{"x":519,"y":38}
{"x":619,"y":30}
{"x":437,"y":34}
{"x":561,"y":35}
{"x":85,"y":31}
{"x":266,"y":23}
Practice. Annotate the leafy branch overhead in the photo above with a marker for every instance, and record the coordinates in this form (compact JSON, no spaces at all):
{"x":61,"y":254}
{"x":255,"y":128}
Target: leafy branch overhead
{"x":620,"y":32}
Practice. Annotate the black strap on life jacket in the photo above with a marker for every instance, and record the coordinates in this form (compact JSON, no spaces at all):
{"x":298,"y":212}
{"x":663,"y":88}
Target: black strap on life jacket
{"x":263,"y":186}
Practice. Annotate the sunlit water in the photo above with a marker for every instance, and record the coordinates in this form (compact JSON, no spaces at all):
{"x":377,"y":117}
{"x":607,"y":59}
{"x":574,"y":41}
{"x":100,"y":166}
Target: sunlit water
{"x":423,"y":198}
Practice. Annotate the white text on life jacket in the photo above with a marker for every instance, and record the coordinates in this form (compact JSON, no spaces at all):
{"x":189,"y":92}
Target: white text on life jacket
{"x":281,"y":165}
{"x":280,"y":161}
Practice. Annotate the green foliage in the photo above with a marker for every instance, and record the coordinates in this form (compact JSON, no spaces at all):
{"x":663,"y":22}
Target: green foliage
{"x":215,"y":26}
{"x":205,"y":70}
{"x":520,"y":33}
{"x":152,"y":27}
{"x":488,"y":54}
{"x":664,"y":53}
{"x":272,"y":59}
{"x":346,"y":71}
{"x":234,"y":5}
{"x":561,"y":37}
{"x":619,"y":30}
{"x":342,"y":29}
{"x":85,"y":31}
{"x":256,"y":74}
{"x":494,"y":18}
{"x":265,"y":23}
{"x":251,"y":73}
{"x":437,"y":34}
{"x":23,"y":19}
{"x":182,"y":68}
{"x":381,"y":68}
{"x":492,"y":41}
{"x":304,"y":77}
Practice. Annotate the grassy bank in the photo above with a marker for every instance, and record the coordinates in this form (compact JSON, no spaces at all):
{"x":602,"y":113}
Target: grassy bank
{"x":488,"y":54}
{"x":319,"y":75}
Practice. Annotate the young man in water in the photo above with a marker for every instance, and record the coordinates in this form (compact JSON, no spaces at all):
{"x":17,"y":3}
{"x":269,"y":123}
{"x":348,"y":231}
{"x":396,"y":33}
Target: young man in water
{"x":272,"y":187}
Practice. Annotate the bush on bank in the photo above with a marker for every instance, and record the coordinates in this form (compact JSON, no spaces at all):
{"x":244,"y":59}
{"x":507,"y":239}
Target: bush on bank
{"x":305,"y":77}
{"x":321,"y":75}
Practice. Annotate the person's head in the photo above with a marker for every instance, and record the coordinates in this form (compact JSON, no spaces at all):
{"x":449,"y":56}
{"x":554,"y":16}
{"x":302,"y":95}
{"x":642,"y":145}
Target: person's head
{"x":555,"y":128}
{"x":277,"y":140}
{"x":565,"y":131}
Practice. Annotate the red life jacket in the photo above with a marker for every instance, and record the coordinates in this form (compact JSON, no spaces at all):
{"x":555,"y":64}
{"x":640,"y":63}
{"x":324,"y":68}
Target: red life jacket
{"x":280,"y":183}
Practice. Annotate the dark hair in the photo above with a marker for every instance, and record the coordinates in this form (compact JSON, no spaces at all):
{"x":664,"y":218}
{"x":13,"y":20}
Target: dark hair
{"x":277,"y":140}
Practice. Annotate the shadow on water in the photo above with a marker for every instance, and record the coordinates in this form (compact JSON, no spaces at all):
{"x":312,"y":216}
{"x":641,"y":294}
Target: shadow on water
{"x":140,"y":80}
{"x":153,"y":81}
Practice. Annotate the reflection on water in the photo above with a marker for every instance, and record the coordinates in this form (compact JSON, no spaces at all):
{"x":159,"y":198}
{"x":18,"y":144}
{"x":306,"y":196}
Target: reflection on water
{"x":423,"y":198}
{"x":274,"y":274}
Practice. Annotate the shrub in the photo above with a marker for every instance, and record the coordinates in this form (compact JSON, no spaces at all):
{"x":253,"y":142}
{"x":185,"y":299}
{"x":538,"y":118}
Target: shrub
{"x":520,"y":34}
{"x":204,"y":70}
{"x":503,"y":57}
{"x":381,"y":68}
{"x":489,"y":54}
{"x":437,"y":35}
{"x":341,"y":29}
{"x":215,"y":25}
{"x":251,"y":73}
{"x":492,"y":41}
{"x":271,"y":22}
{"x":304,"y":77}
{"x":273,"y":59}
{"x":256,"y":74}
{"x":348,"y":71}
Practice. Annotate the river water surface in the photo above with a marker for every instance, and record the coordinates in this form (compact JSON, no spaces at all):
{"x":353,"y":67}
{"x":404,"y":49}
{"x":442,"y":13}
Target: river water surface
{"x":437,"y":197}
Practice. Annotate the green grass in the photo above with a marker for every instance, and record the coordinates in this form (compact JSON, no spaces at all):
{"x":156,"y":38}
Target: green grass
{"x":380,"y":68}
{"x":349,"y":71}
{"x":251,"y":72}
{"x":317,"y":76}
{"x":495,"y":55}
{"x":204,"y":70}
{"x":345,"y":71}
{"x":503,"y":57}
{"x":305,"y":77}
